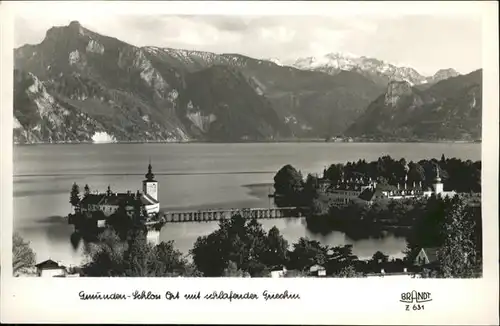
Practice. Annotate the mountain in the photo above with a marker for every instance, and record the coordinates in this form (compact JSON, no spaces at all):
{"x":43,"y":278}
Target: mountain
{"x":77,"y":84}
{"x":379,"y":71}
{"x":442,"y":74}
{"x":448,"y":110}
{"x":211,"y":102}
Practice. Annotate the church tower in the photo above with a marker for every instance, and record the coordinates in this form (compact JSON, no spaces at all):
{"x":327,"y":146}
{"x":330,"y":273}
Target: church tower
{"x":150,"y":185}
{"x":438,"y":185}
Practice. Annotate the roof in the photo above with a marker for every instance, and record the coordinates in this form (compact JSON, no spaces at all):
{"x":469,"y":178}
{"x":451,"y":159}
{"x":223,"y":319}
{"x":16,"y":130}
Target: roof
{"x":431,"y":253}
{"x":148,"y":200}
{"x":92,"y":199}
{"x":369,"y":193}
{"x":316,"y":267}
{"x":49,"y":264}
{"x":278,"y":268}
{"x":116,"y":198}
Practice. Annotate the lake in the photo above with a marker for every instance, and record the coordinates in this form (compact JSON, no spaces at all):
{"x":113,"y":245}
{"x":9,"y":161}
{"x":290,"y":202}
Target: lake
{"x":190,"y":176}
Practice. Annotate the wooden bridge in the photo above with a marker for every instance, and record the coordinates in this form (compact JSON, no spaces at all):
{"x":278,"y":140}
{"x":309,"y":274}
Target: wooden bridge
{"x":218,"y":214}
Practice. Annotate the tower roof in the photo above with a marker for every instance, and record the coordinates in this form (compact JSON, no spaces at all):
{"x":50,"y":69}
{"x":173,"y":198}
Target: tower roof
{"x":437,"y":179}
{"x":150,"y":175}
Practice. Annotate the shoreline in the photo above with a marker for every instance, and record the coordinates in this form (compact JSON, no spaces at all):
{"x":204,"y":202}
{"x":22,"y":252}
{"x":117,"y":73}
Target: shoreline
{"x":256,"y":142}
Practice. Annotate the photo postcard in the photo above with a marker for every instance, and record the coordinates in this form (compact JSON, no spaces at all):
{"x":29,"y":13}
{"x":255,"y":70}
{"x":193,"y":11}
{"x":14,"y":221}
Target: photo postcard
{"x":262,"y":162}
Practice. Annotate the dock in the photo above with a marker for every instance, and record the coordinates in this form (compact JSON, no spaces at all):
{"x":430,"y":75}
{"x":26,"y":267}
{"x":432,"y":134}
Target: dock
{"x":226,"y":214}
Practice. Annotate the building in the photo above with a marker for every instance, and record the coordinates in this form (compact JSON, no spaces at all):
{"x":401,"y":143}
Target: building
{"x":426,"y":256}
{"x":50,"y":268}
{"x":278,"y":272}
{"x":317,"y":270}
{"x":345,"y":191}
{"x":369,"y":191}
{"x":404,"y":274}
{"x":108,"y":202}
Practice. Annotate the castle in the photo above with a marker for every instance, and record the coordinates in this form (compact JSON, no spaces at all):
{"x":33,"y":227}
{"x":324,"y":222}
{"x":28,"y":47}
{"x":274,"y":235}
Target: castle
{"x":109,"y":202}
{"x":367,"y":191}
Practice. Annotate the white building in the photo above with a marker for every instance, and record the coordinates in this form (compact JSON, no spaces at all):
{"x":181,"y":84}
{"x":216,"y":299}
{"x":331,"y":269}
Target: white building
{"x":346,"y":191}
{"x":278,"y":272}
{"x":317,"y":270}
{"x":50,"y":268}
{"x":368,"y":191}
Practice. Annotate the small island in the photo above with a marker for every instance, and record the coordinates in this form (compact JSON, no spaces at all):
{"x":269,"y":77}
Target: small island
{"x":95,"y":212}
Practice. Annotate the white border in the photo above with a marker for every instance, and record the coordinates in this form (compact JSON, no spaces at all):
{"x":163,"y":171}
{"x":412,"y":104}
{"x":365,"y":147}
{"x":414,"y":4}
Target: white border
{"x":349,"y":301}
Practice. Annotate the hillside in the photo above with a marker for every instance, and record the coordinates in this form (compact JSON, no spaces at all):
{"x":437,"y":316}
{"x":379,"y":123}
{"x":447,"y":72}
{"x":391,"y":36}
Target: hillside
{"x":99,"y":84}
{"x":449,"y":110}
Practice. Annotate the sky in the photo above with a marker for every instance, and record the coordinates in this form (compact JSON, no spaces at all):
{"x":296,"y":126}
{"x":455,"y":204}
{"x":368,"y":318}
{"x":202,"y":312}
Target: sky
{"x":424,"y":42}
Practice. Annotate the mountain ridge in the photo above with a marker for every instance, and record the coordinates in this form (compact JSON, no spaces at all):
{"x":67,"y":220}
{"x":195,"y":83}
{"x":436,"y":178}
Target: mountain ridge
{"x":449,"y":109}
{"x":379,"y":70}
{"x":150,"y":93}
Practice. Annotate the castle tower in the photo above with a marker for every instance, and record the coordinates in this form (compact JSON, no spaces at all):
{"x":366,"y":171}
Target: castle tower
{"x":150,"y":185}
{"x":438,"y":185}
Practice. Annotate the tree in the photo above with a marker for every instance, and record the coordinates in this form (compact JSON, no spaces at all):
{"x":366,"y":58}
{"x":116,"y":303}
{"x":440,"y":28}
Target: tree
{"x":334,"y":172}
{"x":135,"y":257}
{"x":458,"y":254}
{"x":307,"y":253}
{"x":427,"y":232}
{"x":169,"y":261}
{"x":288,"y":185}
{"x":320,"y":205}
{"x":233,"y":271}
{"x":276,"y":251}
{"x":23,"y":257}
{"x":74,"y":197}
{"x":311,"y":188}
{"x":348,"y":271}
{"x":107,"y":257}
{"x":206,"y":256}
{"x":242,"y":242}
{"x":340,"y":259}
{"x":86,"y":190}
{"x":415,"y":173}
{"x":140,"y":257}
